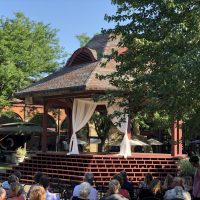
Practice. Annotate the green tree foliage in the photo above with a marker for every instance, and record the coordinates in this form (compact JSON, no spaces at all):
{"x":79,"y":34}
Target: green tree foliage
{"x":160,"y":70}
{"x":103,"y":125}
{"x":83,"y":38}
{"x":29,"y":50}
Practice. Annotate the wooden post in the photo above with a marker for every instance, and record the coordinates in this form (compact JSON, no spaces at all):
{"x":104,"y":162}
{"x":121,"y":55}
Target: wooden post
{"x":174,"y":139}
{"x":44,"y":134}
{"x":68,"y":112}
{"x":179,"y":136}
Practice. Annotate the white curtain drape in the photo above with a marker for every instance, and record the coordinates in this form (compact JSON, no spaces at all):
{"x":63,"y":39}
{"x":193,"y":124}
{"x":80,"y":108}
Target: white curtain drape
{"x":125,"y":147}
{"x":81,"y":114}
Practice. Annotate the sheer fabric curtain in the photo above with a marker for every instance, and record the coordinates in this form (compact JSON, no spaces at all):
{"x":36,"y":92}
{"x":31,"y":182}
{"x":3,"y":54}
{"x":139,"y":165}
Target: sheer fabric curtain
{"x":125,"y":147}
{"x":81,"y":114}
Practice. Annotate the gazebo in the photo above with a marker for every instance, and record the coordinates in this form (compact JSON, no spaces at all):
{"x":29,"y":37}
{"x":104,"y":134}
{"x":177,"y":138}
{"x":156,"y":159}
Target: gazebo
{"x":72,"y":89}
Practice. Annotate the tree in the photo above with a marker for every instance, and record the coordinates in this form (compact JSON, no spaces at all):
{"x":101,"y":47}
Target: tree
{"x":29,"y":50}
{"x":160,"y":69}
{"x":83,"y":39}
{"x":103,"y":125}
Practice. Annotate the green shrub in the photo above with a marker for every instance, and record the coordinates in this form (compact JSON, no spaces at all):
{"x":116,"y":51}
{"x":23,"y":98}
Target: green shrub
{"x":186,"y":169}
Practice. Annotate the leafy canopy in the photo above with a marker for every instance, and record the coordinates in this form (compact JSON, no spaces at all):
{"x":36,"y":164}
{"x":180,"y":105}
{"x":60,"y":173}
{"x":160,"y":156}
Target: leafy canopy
{"x":29,"y":50}
{"x":160,"y":71}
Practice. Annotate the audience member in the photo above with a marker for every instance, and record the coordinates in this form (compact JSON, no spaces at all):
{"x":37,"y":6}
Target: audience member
{"x":2,"y":194}
{"x":17,"y":174}
{"x":44,"y":181}
{"x":194,"y":160}
{"x":147,"y":180}
{"x":84,"y":191}
{"x":16,"y":192}
{"x":122,"y":191}
{"x":113,"y":191}
{"x":177,"y":192}
{"x":37,"y":193}
{"x":37,"y":177}
{"x":89,"y":178}
{"x":187,"y":183}
{"x":167,"y":185}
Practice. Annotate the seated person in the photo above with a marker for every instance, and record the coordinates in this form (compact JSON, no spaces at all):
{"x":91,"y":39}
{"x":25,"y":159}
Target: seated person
{"x":44,"y":181}
{"x":113,"y":191}
{"x":84,"y":191}
{"x":37,"y":193}
{"x":177,"y":192}
{"x":16,"y":192}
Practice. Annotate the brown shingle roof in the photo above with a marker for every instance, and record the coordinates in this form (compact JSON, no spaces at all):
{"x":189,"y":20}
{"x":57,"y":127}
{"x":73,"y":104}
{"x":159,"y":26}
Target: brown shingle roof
{"x":81,"y":77}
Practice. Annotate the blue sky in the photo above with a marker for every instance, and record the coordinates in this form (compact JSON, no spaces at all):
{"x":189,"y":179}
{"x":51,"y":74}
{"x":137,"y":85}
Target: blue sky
{"x":71,"y":17}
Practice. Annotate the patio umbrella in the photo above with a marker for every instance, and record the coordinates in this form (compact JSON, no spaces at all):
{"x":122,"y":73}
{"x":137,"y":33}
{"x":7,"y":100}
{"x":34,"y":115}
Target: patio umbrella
{"x":95,"y":141}
{"x":154,"y":142}
{"x":81,"y":142}
{"x":195,"y":142}
{"x":136,"y":142}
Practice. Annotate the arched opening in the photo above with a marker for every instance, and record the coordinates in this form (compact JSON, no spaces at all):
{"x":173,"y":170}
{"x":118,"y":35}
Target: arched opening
{"x":37,"y":119}
{"x":81,"y":56}
{"x":10,"y":117}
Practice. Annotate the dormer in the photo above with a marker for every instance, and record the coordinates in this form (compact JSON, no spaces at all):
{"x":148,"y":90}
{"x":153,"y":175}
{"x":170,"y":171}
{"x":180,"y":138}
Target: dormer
{"x":81,"y":56}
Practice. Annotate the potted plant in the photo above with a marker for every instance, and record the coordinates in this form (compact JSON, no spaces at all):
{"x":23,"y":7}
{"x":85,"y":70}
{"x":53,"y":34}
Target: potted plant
{"x":20,"y":154}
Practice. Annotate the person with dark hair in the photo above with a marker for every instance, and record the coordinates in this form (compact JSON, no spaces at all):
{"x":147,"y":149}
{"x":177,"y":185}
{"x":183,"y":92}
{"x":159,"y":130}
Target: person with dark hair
{"x":89,"y":178}
{"x":123,"y":192}
{"x":113,"y":191}
{"x":37,"y":177}
{"x":44,"y":181}
{"x":16,"y":176}
{"x":194,"y":160}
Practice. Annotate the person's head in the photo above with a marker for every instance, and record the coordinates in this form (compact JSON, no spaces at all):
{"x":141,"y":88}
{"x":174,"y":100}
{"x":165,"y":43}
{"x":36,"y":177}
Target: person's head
{"x":18,"y":174}
{"x":84,"y":191}
{"x":89,"y":177}
{"x":12,"y":179}
{"x":16,"y":189}
{"x":177,"y":181}
{"x":37,"y":193}
{"x":37,"y":177}
{"x":155,"y":186}
{"x":44,"y":181}
{"x":113,"y":187}
{"x":124,"y":175}
{"x":194,"y":160}
{"x":2,"y":194}
{"x":168,"y":181}
{"x":148,"y":178}
{"x":119,"y":178}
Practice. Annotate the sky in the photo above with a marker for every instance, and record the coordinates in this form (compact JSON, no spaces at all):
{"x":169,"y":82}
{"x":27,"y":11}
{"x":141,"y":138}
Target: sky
{"x":70,"y":17}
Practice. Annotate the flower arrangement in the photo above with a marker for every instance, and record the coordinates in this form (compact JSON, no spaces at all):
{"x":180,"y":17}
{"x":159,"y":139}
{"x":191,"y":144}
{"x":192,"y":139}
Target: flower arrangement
{"x":21,"y":152}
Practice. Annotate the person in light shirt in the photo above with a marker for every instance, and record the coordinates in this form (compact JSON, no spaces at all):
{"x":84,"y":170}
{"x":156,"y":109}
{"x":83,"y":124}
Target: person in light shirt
{"x":89,"y":178}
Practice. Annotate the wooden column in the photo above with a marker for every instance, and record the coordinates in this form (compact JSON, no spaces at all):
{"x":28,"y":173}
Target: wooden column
{"x":44,"y":134}
{"x":174,"y":139}
{"x":180,"y":138}
{"x":68,"y":112}
{"x":177,"y":138}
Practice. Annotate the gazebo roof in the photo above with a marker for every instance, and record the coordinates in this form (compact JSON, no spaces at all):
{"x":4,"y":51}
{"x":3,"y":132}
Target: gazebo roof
{"x":79,"y":73}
